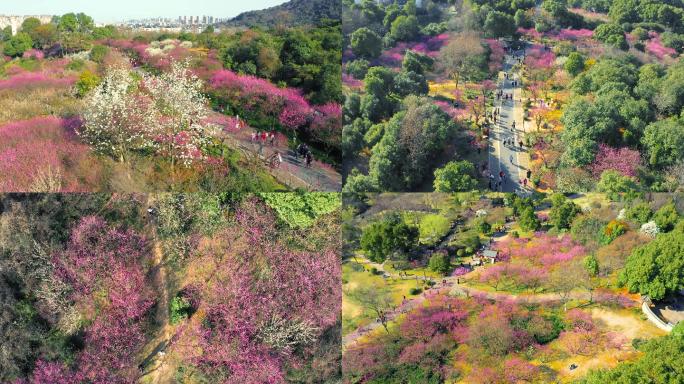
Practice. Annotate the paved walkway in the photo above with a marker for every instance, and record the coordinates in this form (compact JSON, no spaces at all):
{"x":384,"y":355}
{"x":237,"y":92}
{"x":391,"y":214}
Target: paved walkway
{"x":293,"y":172}
{"x":512,"y":160}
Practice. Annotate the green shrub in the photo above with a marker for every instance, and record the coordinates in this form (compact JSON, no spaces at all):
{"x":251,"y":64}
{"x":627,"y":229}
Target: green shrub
{"x":180,"y":309}
{"x":98,"y":53}
{"x":76,"y":65}
{"x":440,"y":263}
{"x":415,"y":291}
{"x":86,"y":82}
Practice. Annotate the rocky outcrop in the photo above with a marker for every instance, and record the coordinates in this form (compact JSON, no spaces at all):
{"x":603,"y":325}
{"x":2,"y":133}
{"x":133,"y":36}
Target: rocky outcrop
{"x":16,"y":21}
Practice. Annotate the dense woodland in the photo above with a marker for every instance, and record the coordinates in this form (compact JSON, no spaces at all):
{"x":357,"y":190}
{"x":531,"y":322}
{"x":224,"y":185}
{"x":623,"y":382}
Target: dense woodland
{"x":601,"y":92}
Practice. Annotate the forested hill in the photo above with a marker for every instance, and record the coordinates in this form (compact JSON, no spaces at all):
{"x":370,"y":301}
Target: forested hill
{"x":292,"y":13}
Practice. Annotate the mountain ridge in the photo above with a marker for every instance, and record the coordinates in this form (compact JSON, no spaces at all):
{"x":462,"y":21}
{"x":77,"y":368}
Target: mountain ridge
{"x":291,"y":13}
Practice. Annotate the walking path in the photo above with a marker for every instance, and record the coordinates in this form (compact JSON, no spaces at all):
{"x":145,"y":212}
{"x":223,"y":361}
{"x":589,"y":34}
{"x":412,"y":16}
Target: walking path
{"x":293,"y":172}
{"x":512,"y":160}
{"x":154,"y":366}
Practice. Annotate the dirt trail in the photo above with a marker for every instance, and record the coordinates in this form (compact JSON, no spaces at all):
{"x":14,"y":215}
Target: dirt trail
{"x":155,"y":368}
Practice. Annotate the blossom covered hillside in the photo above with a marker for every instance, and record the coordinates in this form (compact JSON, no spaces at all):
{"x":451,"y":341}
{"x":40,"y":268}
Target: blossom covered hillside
{"x":157,"y":111}
{"x":164,"y":288}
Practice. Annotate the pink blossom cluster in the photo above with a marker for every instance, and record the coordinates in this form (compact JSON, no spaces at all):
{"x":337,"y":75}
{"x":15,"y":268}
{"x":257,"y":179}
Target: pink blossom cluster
{"x":539,"y":58}
{"x":36,"y":79}
{"x":40,"y":145}
{"x":326,"y":126}
{"x":429,"y":46}
{"x":518,"y":274}
{"x":257,"y":95}
{"x":574,"y":34}
{"x":33,"y":54}
{"x":350,"y":81}
{"x":656,"y":47}
{"x":496,"y":57}
{"x":624,"y":160}
{"x":443,"y":323}
{"x":142,"y":56}
{"x":460,"y":271}
{"x":258,"y":280}
{"x":530,"y":32}
{"x":449,"y":109}
{"x":543,"y":251}
{"x":226,"y":123}
{"x":607,"y":297}
{"x":101,"y":259}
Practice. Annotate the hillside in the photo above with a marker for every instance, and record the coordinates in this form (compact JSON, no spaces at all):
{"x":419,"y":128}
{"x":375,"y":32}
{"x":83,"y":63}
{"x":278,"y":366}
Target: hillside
{"x":291,"y":13}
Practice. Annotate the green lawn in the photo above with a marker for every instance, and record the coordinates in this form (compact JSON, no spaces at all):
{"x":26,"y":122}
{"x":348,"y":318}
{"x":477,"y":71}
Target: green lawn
{"x":353,"y":315}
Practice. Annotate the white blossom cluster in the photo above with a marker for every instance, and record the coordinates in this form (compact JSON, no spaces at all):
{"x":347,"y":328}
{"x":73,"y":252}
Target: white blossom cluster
{"x":283,"y":334}
{"x":650,"y":229}
{"x":179,"y":101}
{"x":115,"y":120}
{"x":165,"y":113}
{"x":159,"y":48}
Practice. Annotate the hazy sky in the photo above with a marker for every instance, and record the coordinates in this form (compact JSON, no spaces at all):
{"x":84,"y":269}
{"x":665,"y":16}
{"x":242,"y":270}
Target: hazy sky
{"x":104,"y":11}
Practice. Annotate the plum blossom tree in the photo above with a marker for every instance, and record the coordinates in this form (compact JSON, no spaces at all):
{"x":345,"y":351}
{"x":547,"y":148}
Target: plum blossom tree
{"x":104,"y":268}
{"x":116,"y":121}
{"x":262,"y":302}
{"x":181,"y":129}
{"x":623,"y":160}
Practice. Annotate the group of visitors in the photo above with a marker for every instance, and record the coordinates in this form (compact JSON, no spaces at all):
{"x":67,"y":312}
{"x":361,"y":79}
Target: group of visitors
{"x":304,"y":151}
{"x":264,"y":137}
{"x":504,"y":96}
{"x":510,"y":142}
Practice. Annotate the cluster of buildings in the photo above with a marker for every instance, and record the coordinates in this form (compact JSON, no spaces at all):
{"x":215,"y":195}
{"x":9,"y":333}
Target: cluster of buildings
{"x":191,"y":23}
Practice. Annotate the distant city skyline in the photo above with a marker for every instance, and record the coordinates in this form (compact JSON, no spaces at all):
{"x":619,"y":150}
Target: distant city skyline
{"x":122,"y":10}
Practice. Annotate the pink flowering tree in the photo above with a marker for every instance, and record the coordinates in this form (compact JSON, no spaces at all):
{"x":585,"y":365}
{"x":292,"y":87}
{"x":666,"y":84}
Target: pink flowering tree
{"x":261,"y":301}
{"x":33,"y":156}
{"x":496,"y":55}
{"x":104,"y":268}
{"x":624,"y":160}
{"x":259,"y":99}
{"x":326,"y":126}
{"x":656,"y":47}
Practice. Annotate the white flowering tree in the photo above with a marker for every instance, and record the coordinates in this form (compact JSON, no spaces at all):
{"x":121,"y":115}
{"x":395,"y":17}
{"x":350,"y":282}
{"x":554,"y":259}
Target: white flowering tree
{"x":650,"y":229}
{"x":117,"y":119}
{"x":182,"y":128}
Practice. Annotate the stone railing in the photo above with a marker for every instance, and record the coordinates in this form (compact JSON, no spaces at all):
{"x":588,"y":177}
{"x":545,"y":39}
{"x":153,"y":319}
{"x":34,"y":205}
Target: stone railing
{"x":646,"y":308}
